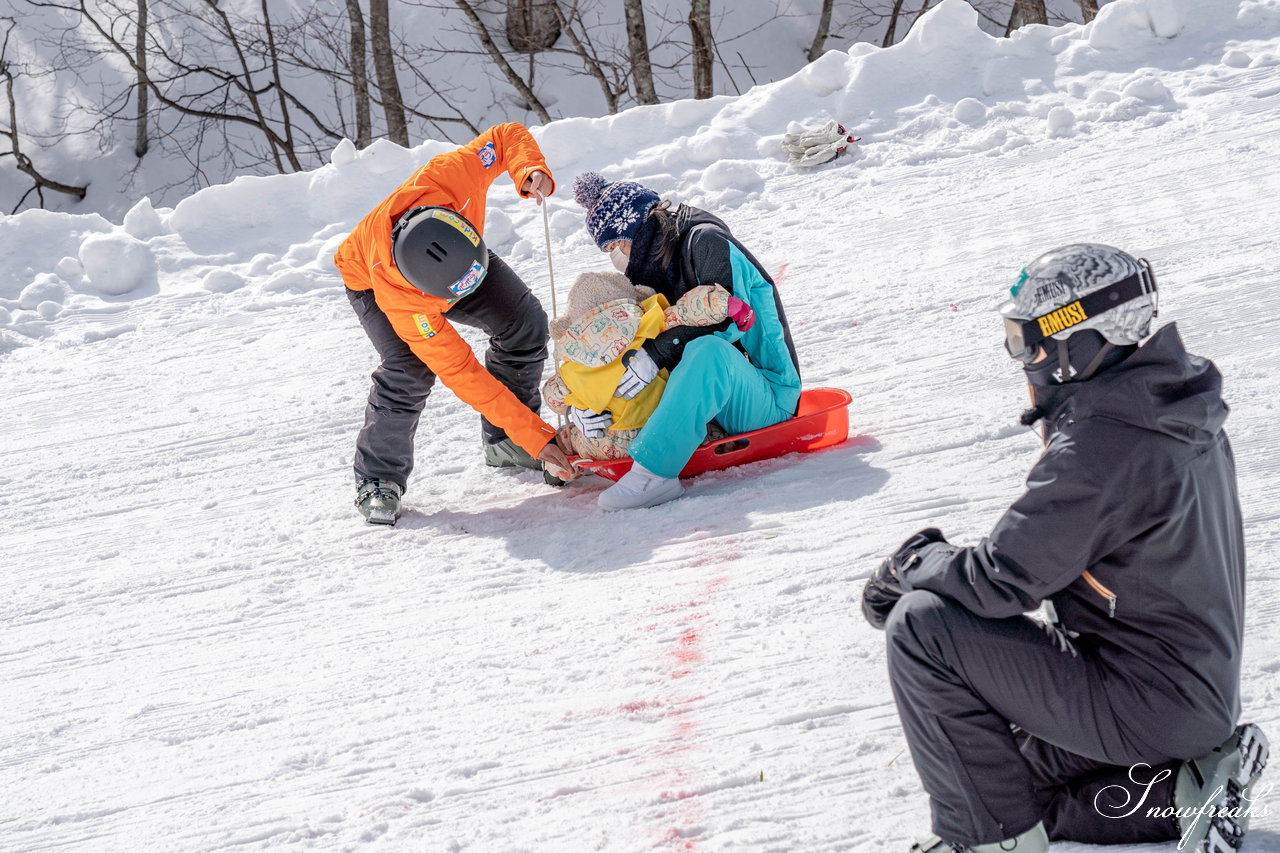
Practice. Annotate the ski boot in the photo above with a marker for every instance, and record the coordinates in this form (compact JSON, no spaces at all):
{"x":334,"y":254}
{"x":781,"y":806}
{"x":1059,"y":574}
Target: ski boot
{"x":505,"y":453}
{"x":1214,"y":790}
{"x":1034,"y":840}
{"x":378,"y":501}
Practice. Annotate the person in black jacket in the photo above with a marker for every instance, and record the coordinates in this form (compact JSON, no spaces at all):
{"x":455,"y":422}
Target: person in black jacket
{"x":1111,"y":717}
{"x":741,"y":373}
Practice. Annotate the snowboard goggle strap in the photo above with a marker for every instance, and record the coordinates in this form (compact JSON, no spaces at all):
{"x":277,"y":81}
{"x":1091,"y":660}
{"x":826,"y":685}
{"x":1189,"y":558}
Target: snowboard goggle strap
{"x":1023,"y":337}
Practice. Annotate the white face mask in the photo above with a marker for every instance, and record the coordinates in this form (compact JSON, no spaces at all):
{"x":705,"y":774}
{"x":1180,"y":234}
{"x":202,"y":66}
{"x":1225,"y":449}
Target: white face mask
{"x":619,"y":260}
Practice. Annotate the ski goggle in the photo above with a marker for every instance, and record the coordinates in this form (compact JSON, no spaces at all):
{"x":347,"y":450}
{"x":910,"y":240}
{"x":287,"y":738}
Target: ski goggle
{"x":1023,"y":335}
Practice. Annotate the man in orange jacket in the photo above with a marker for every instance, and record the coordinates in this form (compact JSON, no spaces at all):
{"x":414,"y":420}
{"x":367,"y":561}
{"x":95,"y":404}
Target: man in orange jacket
{"x":413,"y":265}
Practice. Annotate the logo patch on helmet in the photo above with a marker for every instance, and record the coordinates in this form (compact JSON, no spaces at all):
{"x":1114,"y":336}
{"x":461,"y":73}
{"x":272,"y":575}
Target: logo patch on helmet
{"x":468,"y":282}
{"x":1063,"y":318}
{"x":423,"y":322}
{"x":457,"y":222}
{"x":488,"y":155}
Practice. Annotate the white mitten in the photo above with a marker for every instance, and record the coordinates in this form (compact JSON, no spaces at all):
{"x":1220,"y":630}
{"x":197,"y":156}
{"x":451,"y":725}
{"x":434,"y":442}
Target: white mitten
{"x":800,"y":143}
{"x":817,"y":145}
{"x":554,"y":393}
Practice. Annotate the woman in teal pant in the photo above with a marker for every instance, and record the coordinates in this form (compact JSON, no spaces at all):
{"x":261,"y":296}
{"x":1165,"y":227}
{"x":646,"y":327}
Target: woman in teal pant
{"x":742,"y":373}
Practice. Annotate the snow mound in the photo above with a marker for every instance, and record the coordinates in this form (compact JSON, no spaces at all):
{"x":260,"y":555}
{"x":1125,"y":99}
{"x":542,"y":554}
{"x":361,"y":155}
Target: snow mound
{"x":731,"y":174}
{"x":117,"y":264}
{"x":142,"y":221}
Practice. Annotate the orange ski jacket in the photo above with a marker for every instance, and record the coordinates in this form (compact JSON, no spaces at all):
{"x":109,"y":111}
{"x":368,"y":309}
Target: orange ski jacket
{"x":459,"y":181}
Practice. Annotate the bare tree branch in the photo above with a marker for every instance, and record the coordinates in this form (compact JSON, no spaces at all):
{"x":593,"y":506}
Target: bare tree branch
{"x":282,"y":97}
{"x":590,"y":61}
{"x":23,"y":161}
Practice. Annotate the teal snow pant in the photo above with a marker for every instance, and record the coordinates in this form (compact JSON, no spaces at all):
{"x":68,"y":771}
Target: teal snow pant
{"x":713,"y":381}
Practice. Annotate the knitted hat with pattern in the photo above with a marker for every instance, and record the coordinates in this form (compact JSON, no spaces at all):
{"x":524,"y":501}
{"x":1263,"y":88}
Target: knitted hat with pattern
{"x":614,"y":211}
{"x":591,"y":290}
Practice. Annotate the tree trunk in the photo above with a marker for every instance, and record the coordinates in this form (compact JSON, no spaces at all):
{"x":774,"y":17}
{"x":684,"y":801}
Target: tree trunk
{"x":824,"y":30}
{"x":274,"y":56}
{"x":359,"y":75}
{"x":530,"y":99}
{"x":1089,"y":9}
{"x":891,"y":32}
{"x":700,"y":29}
{"x":924,"y":7}
{"x":1033,"y":12}
{"x":141,"y":141}
{"x":638,"y":43}
{"x":533,"y":25}
{"x":384,"y":64}
{"x":1026,"y":12}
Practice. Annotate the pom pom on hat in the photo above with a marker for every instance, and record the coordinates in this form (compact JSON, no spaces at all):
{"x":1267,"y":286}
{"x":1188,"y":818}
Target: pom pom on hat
{"x":587,"y":188}
{"x":614,"y":211}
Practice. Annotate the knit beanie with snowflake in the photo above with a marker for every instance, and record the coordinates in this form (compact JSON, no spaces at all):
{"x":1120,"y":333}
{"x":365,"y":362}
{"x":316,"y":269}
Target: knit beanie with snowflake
{"x":614,"y":211}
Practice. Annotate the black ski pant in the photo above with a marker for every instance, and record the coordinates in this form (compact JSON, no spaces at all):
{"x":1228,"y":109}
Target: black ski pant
{"x":1011,"y":722}
{"x":505,"y":309}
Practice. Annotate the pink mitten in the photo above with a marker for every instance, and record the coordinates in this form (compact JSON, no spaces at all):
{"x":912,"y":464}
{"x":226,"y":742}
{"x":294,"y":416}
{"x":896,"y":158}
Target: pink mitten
{"x":741,"y":314}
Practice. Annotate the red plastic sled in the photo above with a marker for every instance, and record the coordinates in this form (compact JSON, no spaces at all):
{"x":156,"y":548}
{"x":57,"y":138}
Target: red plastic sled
{"x":822,"y":420}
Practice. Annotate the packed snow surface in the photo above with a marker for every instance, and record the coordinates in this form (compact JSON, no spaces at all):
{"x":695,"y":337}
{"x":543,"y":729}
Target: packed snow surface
{"x":205,"y":648}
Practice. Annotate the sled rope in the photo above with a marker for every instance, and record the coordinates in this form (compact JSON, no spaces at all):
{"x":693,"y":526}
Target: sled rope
{"x":551,"y":276}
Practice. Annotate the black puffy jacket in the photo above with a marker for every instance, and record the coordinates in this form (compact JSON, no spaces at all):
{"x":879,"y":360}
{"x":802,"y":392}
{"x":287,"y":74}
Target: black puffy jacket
{"x":1131,"y":527}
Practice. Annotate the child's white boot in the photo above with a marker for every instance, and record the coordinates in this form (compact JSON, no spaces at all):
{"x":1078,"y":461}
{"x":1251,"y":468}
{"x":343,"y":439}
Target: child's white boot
{"x":640,"y":488}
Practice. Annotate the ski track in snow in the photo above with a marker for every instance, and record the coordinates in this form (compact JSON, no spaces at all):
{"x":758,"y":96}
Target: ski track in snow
{"x":206,"y":650}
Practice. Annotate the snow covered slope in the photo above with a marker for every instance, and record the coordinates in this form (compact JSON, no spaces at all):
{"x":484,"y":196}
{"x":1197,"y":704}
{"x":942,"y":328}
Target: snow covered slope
{"x":205,"y":648}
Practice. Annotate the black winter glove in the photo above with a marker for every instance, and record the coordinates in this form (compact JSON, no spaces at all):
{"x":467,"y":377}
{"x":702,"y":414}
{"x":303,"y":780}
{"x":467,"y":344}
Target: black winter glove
{"x":885,"y":586}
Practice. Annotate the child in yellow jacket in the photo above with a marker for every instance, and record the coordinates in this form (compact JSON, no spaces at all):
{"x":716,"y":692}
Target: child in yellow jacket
{"x":606,"y":318}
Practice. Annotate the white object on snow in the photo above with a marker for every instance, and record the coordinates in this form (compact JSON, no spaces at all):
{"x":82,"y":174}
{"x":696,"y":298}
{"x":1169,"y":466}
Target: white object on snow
{"x":1060,"y":122}
{"x":143,"y":222}
{"x":117,"y":263}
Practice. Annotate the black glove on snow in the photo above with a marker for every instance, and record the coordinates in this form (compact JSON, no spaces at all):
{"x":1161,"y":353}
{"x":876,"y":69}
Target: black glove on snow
{"x":885,"y":586}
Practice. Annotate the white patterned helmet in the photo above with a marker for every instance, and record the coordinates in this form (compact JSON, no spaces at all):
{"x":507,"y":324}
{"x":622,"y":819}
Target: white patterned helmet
{"x":1077,"y":287}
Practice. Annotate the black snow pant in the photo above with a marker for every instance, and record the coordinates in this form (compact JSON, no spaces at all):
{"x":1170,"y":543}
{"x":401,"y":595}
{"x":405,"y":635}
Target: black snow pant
{"x":505,"y":309}
{"x":1011,"y":722}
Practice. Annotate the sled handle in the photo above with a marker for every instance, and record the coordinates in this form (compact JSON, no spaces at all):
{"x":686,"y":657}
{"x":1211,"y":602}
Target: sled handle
{"x":732,"y":444}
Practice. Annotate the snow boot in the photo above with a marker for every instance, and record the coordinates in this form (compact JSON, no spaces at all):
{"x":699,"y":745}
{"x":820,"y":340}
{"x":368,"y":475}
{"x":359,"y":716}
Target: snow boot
{"x":639,"y":488}
{"x":1212,"y":793}
{"x":378,"y":500}
{"x":507,"y":454}
{"x":1034,"y":840}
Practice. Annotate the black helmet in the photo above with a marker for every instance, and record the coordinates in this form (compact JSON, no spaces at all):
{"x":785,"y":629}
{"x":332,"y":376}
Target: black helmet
{"x":439,"y":252}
